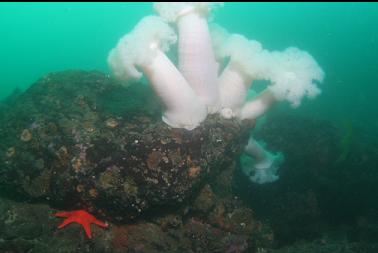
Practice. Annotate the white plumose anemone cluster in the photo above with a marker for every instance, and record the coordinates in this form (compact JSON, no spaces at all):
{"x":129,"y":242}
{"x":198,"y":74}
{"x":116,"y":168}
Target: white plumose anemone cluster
{"x":201,"y":85}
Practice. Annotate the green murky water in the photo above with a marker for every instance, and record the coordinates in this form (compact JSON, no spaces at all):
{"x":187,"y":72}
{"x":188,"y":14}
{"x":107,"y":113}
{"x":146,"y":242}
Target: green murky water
{"x":38,"y":38}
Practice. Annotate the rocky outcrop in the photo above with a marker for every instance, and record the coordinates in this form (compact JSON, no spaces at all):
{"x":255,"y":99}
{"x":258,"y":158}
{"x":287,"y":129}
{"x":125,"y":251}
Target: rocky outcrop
{"x":82,"y":140}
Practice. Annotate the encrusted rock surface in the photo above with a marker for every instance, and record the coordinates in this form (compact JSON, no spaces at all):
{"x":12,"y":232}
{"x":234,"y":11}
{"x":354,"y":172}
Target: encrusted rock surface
{"x":81,"y":140}
{"x":27,"y":227}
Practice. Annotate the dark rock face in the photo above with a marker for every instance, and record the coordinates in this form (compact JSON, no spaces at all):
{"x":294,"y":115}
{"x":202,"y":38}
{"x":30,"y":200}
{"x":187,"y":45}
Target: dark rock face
{"x":328,"y":186}
{"x":26,"y":227}
{"x":81,"y":140}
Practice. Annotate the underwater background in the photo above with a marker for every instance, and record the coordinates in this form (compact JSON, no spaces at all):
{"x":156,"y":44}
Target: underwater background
{"x":38,"y":38}
{"x":325,"y":199}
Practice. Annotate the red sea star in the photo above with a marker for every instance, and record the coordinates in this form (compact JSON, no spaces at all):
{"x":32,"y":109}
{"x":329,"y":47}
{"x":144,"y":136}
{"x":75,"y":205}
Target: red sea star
{"x":82,"y":217}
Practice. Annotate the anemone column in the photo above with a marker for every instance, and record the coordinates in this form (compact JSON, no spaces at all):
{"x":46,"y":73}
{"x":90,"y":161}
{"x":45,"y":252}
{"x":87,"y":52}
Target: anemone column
{"x":196,"y":58}
{"x":182,"y":107}
{"x":246,"y":64}
{"x":144,"y":49}
{"x":195,"y":52}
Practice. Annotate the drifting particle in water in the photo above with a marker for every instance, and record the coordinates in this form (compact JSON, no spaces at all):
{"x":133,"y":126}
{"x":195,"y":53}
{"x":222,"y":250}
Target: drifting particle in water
{"x":26,"y":135}
{"x":10,"y":152}
{"x":111,"y":123}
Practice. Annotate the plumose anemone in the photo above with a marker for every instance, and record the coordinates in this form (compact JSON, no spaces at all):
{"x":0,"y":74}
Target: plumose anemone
{"x":198,"y":86}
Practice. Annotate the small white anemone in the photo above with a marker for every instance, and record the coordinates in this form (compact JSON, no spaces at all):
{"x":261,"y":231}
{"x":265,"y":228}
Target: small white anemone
{"x":264,"y":166}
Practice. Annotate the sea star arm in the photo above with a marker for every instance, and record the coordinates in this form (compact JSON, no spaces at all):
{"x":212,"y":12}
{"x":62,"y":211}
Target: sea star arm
{"x":65,"y":223}
{"x":62,"y":214}
{"x":87,"y":228}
